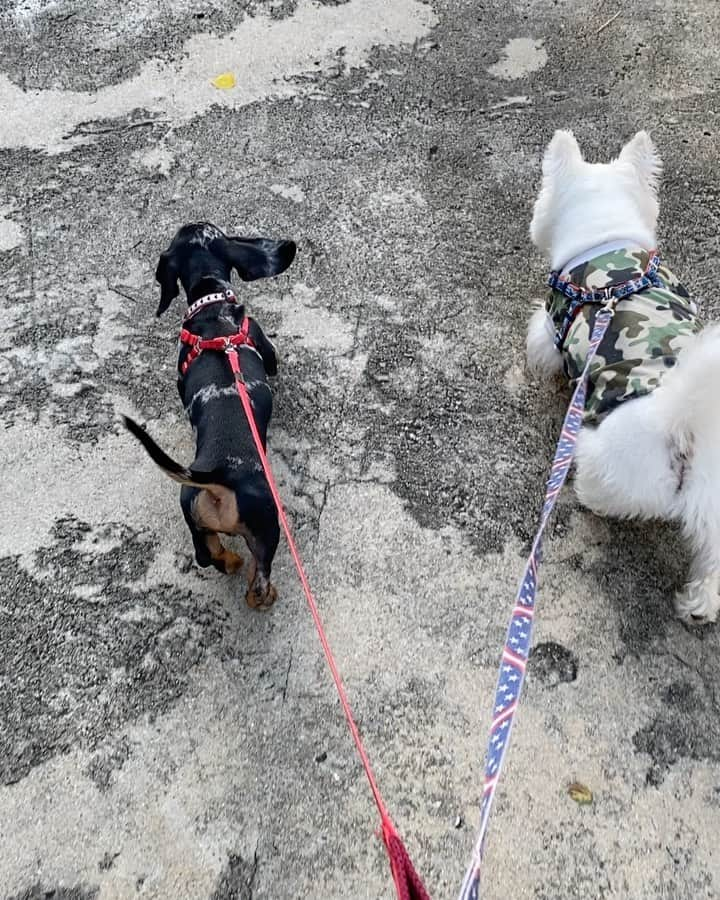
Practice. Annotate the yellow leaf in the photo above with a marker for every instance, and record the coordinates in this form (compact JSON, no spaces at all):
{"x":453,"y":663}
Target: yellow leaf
{"x":224,"y":82}
{"x":580,"y":793}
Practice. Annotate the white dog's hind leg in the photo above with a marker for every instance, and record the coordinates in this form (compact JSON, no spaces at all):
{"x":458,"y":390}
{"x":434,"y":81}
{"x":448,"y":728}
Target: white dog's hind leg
{"x":629,"y":467}
{"x":688,"y":407}
{"x":542,"y":354}
{"x":624,"y":467}
{"x":700,"y":493}
{"x":698,"y":602}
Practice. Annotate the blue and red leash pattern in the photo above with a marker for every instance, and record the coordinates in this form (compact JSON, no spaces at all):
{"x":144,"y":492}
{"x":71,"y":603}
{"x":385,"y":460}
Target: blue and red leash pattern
{"x":519,"y":635}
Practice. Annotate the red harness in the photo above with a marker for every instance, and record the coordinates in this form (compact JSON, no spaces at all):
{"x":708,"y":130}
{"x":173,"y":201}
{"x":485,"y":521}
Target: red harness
{"x":219,"y":344}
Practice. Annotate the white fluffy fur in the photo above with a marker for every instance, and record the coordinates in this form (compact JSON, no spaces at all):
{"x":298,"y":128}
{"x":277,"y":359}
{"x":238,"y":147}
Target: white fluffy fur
{"x":656,"y":456}
{"x":596,"y":202}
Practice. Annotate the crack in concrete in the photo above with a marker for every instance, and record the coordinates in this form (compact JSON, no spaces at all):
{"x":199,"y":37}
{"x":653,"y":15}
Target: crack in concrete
{"x":93,"y":127}
{"x":31,"y":248}
{"x":327,"y":487}
{"x":287,"y":676}
{"x":253,"y":871}
{"x":120,"y":293}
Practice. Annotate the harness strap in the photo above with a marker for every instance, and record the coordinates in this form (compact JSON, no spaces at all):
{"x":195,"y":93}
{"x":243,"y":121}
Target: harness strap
{"x":579,"y":295}
{"x":198,"y":344}
{"x":407,"y":882}
{"x":519,"y":635}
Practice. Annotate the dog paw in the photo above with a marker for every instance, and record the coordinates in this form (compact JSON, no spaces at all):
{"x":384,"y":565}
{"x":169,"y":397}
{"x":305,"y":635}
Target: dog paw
{"x":256,"y":599}
{"x":698,"y":603}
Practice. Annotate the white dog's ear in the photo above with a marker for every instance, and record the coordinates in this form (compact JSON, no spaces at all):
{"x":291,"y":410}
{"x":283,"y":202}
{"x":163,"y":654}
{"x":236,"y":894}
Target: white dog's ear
{"x":642,"y":155}
{"x":562,"y":154}
{"x":561,"y":158}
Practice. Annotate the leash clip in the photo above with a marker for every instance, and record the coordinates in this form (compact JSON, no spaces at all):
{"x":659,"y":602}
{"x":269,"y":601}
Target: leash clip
{"x":610,"y":301}
{"x":231,"y":352}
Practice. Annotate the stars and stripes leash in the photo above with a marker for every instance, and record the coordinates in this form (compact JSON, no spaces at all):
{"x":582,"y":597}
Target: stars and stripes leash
{"x":517,"y":643}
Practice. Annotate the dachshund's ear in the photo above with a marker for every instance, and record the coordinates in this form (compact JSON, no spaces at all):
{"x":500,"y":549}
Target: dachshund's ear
{"x":256,"y":257}
{"x":166,"y":275}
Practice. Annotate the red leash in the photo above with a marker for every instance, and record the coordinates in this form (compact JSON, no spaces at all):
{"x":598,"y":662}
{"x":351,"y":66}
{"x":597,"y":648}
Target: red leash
{"x":407,"y":882}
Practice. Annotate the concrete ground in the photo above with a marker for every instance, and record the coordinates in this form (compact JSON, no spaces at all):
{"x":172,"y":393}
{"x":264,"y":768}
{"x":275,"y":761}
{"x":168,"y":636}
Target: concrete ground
{"x":157,"y":738}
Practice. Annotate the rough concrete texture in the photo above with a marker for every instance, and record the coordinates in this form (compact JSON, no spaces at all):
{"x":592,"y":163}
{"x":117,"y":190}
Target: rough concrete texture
{"x":157,"y":738}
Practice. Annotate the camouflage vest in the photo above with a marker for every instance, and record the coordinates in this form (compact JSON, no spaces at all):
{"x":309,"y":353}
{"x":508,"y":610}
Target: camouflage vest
{"x":643,"y":339}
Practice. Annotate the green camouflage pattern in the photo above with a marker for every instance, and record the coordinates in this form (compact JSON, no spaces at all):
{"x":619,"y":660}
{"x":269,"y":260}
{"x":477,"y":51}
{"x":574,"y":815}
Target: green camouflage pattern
{"x":643,"y":340}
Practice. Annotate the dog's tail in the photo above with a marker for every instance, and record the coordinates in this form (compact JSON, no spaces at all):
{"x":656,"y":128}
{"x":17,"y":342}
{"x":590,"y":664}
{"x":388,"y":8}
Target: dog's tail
{"x":688,"y":399}
{"x":210,"y":481}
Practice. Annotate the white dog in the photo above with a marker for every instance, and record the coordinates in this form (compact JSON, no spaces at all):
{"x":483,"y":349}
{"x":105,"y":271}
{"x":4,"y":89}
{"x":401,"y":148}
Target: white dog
{"x":650,"y":442}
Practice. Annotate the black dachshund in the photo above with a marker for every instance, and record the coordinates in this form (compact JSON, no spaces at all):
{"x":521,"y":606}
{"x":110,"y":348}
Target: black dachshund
{"x":224,"y":490}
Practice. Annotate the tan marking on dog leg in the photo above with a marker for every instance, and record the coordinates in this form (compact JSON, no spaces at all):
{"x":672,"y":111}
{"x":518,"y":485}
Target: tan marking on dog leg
{"x":230,"y":561}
